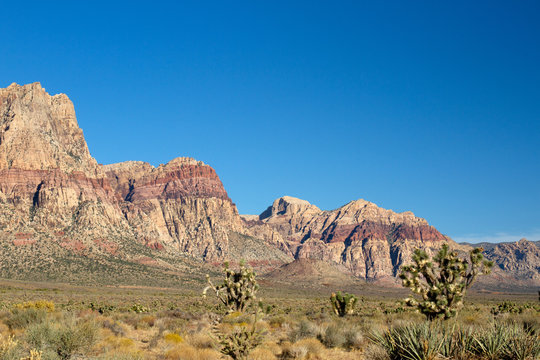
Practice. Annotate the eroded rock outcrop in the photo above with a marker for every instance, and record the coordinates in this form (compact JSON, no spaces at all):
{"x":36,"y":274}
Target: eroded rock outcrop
{"x":52,"y":189}
{"x":370,"y":241}
{"x":181,"y":204}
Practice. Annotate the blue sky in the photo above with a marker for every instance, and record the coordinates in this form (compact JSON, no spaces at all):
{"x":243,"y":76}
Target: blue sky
{"x":425,"y":106}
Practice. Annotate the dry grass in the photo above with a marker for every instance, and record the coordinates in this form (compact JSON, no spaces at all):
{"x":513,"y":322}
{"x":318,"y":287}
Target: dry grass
{"x":170,"y":324}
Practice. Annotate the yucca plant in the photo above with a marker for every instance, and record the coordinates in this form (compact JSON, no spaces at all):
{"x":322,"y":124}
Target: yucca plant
{"x":490,"y":342}
{"x":458,"y":344}
{"x":522,"y":345}
{"x":412,"y":342}
{"x":442,"y":282}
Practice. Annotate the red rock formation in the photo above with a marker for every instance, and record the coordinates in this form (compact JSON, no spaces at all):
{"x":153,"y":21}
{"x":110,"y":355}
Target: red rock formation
{"x":50,"y":184}
{"x":370,"y":241}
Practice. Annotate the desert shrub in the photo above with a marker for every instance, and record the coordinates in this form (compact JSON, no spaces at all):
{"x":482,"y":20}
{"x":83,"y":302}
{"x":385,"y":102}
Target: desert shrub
{"x":114,"y":327}
{"x":40,"y":304}
{"x":187,"y":352}
{"x":308,"y":348}
{"x":444,"y":281}
{"x":21,"y":318}
{"x":353,"y":338}
{"x":173,"y":338}
{"x":201,"y":340}
{"x":64,"y":339}
{"x":278,"y":320}
{"x":261,"y":353}
{"x":376,"y":352}
{"x":333,"y":336}
{"x":304,"y":329}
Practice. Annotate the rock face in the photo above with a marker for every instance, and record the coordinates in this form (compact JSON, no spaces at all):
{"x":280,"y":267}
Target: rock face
{"x":61,"y":212}
{"x":54,"y":196}
{"x":48,"y":180}
{"x":183,"y":205}
{"x":369,"y":241}
{"x":521,"y":259}
{"x":373,"y":243}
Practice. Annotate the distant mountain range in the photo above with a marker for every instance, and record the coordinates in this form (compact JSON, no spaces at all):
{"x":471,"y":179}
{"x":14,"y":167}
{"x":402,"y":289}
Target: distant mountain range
{"x":64,"y":217}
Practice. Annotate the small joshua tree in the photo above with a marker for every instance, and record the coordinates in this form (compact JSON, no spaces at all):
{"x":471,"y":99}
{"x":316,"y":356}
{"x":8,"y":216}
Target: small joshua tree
{"x":444,"y":285}
{"x":238,"y":288}
{"x":240,"y":341}
{"x":343,"y":304}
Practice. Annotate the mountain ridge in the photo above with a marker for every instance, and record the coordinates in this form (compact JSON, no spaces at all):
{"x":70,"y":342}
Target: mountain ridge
{"x":57,"y":202}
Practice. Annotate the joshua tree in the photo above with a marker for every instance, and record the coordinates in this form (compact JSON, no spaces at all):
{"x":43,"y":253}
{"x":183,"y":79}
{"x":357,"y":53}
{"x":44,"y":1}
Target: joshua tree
{"x":442,"y":282}
{"x":343,"y":304}
{"x":238,"y":288}
{"x":236,"y":292}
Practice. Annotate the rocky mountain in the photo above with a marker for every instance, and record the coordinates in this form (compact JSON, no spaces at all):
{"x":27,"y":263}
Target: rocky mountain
{"x":521,"y":259}
{"x":64,"y":217}
{"x":57,"y":201}
{"x":373,"y":243}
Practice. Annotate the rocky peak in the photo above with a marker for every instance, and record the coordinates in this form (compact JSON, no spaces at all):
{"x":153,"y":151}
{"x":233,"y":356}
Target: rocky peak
{"x":362,"y":210}
{"x":179,"y":178}
{"x":289,"y":206}
{"x":40,"y":132}
{"x":183,"y":161}
{"x":520,"y":258}
{"x":370,"y":241}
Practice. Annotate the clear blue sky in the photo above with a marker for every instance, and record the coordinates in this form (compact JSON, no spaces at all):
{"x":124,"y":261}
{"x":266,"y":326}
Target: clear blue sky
{"x":427,"y":106}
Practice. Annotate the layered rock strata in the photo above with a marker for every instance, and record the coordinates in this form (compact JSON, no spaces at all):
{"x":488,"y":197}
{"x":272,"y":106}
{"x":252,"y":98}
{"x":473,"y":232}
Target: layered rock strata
{"x":370,"y":241}
{"x":51,"y":188}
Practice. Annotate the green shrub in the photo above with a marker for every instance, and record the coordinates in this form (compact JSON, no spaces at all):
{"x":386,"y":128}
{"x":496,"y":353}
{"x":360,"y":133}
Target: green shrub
{"x":20,"y":318}
{"x":64,"y":339}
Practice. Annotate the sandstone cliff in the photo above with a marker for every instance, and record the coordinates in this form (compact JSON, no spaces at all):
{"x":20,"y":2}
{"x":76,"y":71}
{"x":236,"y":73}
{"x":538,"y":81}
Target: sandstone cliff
{"x":56,"y":201}
{"x":184,"y":205}
{"x":62,"y":214}
{"x":371,"y":242}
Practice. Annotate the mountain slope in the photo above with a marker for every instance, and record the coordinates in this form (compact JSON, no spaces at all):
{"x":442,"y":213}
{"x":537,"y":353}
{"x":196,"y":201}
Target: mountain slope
{"x":58,"y":203}
{"x":373,"y":243}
